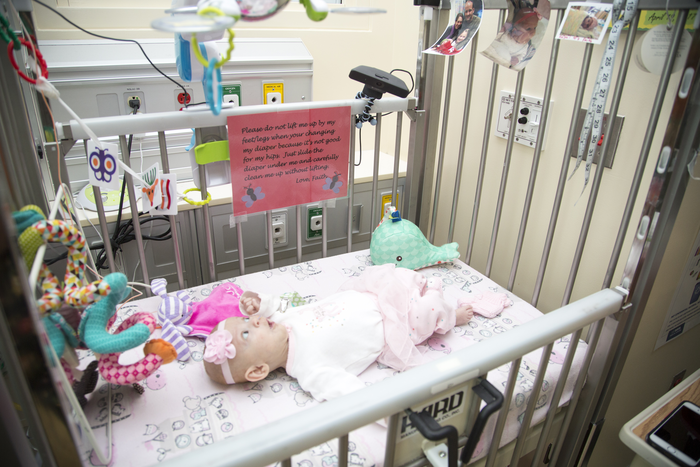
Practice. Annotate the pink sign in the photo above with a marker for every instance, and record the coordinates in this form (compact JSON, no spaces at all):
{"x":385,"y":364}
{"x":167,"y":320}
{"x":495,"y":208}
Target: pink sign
{"x":282,"y":159}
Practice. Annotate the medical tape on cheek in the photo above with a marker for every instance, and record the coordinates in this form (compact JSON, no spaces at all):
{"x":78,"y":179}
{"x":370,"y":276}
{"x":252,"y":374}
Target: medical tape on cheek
{"x":225,"y":369}
{"x":596,"y":109}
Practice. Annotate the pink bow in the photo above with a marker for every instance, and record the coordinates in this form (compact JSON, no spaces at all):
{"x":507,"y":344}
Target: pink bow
{"x":219,"y":348}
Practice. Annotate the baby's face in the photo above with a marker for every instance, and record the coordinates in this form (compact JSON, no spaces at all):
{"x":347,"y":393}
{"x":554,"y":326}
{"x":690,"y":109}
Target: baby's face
{"x":524,"y":29}
{"x":463,"y":36}
{"x":256,"y":336}
{"x":589,"y":23}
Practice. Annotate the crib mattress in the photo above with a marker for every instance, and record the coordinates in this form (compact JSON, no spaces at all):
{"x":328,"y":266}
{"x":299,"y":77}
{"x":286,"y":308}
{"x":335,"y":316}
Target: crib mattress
{"x":183,"y":410}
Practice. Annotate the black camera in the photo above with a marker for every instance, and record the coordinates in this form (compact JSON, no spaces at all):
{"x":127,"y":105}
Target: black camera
{"x":377,"y":82}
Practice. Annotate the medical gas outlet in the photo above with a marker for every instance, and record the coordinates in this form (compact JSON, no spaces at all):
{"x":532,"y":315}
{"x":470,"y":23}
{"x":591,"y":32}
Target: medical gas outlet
{"x":231,"y":94}
{"x":529,"y":118}
{"x":273,"y":93}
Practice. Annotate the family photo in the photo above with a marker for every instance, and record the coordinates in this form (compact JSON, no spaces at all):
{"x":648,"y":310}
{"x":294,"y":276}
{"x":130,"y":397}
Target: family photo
{"x":461,"y":30}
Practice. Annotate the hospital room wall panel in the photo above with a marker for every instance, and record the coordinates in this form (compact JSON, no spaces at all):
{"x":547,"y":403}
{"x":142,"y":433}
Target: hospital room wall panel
{"x":636,"y":102}
{"x":338,"y":44}
{"x":615,"y":182}
{"x":225,"y":239}
{"x":387,"y":42}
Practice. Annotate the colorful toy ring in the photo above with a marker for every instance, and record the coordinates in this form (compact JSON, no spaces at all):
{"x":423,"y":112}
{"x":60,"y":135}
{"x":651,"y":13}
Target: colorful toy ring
{"x":197,"y":203}
{"x":39,"y":59}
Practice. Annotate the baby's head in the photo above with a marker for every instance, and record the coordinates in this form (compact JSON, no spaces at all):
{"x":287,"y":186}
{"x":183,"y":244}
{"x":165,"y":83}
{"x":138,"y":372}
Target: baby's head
{"x":464,"y":35}
{"x":245,"y":349}
{"x":524,"y":25}
{"x":589,"y":23}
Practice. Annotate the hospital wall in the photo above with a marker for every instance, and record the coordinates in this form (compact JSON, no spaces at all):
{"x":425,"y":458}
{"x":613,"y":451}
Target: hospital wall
{"x":647,"y":374}
{"x":388,"y":41}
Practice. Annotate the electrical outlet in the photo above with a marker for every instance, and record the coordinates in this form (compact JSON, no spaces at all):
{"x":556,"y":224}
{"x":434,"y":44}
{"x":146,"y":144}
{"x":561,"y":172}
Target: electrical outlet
{"x":273,"y":93}
{"x":314,"y":216}
{"x":132,"y":96}
{"x":386,"y":202}
{"x":279,"y":230}
{"x":677,"y":379}
{"x":182,"y":98}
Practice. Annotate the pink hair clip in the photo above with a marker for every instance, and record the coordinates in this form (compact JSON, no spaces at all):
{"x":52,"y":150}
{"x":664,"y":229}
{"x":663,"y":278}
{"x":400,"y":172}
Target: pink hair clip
{"x":219,"y":350}
{"x":219,"y":347}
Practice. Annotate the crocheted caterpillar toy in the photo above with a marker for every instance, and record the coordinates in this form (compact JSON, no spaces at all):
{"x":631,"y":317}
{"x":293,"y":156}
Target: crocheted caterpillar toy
{"x":72,"y":292}
{"x":92,"y":329}
{"x":132,"y":332}
{"x":173,"y":314}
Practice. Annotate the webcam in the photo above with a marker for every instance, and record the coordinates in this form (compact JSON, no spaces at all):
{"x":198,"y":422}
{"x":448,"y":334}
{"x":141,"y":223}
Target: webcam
{"x":377,"y":82}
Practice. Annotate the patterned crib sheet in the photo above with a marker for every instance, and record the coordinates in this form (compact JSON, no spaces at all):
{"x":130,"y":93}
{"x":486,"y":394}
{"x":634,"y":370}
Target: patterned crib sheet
{"x":182,"y":410}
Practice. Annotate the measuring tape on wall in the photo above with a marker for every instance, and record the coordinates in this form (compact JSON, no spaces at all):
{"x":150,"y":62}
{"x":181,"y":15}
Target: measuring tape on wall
{"x":596,"y":109}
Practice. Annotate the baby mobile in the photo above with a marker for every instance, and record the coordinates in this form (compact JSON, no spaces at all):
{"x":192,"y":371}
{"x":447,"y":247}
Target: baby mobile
{"x":198,"y":24}
{"x":78,"y":314}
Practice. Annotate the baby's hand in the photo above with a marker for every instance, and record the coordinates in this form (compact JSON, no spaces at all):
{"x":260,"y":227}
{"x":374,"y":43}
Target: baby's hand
{"x":251,"y":305}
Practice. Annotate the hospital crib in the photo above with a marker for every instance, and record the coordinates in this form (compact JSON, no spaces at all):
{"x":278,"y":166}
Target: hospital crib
{"x":606,"y":318}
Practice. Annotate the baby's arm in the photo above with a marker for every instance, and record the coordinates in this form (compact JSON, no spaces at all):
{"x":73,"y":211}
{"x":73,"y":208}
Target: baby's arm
{"x":264,"y":305}
{"x":250,"y":304}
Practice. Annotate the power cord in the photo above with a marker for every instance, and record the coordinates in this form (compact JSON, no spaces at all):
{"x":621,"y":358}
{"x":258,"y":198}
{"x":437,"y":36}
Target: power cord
{"x":413,"y":83}
{"x":125,"y":232}
{"x":114,"y":39}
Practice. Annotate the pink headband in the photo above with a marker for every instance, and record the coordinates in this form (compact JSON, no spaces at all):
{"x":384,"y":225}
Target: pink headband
{"x":219,"y":350}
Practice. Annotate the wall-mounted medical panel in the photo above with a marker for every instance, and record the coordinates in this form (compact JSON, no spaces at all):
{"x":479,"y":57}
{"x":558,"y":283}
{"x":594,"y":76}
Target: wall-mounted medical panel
{"x":100,"y":78}
{"x":97,"y":78}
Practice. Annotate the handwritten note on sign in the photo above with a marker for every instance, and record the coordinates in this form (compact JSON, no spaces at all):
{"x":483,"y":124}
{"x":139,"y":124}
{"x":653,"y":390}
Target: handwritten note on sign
{"x":287,"y":158}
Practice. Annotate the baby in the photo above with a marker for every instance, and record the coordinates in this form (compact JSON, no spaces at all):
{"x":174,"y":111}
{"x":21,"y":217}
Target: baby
{"x":381,"y":315}
{"x":580,"y":24}
{"x":513,"y":47}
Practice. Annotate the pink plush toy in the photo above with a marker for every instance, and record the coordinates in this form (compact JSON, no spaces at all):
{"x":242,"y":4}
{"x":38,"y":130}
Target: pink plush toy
{"x":221,"y":304}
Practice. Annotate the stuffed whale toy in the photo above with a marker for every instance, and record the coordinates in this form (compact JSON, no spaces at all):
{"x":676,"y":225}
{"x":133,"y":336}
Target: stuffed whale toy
{"x":402,"y":243}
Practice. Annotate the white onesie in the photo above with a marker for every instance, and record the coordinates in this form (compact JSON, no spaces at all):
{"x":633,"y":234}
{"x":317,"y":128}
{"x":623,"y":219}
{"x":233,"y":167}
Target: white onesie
{"x":340,"y":337}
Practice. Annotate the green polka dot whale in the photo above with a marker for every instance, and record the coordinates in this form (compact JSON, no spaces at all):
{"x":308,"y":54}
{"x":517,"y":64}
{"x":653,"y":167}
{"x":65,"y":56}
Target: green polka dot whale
{"x":402,"y":243}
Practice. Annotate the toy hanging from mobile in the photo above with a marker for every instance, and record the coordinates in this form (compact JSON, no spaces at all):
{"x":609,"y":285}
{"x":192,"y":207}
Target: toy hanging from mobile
{"x":198,"y":23}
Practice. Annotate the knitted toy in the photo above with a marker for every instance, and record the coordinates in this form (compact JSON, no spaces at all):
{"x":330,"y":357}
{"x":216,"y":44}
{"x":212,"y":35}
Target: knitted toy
{"x":73,"y":292}
{"x":34,"y":231}
{"x":402,"y":243}
{"x":173,"y":314}
{"x":132,"y":332}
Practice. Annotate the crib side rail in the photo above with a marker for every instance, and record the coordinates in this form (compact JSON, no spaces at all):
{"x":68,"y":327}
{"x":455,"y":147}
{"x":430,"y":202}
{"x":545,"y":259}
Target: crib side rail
{"x":202,"y":118}
{"x":333,"y":419}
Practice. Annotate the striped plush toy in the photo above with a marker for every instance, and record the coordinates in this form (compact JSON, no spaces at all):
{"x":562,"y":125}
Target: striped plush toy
{"x":173,"y":314}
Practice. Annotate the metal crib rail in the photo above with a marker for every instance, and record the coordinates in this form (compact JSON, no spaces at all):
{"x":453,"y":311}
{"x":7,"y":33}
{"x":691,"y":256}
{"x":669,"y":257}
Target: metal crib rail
{"x":484,"y":151}
{"x":123,"y":125}
{"x":162,"y":121}
{"x":338,"y":417}
{"x":538,"y":151}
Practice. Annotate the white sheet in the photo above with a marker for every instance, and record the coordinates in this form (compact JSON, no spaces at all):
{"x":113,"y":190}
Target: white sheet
{"x":182,"y":409}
